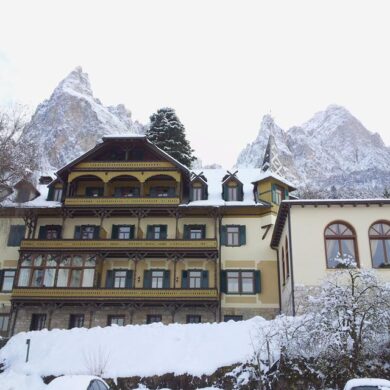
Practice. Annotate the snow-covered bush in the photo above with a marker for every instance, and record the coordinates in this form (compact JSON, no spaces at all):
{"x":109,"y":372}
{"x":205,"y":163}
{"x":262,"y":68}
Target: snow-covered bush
{"x":343,"y":333}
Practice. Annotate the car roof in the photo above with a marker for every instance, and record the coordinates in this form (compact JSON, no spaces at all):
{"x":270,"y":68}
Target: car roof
{"x":366,"y":382}
{"x":74,"y":382}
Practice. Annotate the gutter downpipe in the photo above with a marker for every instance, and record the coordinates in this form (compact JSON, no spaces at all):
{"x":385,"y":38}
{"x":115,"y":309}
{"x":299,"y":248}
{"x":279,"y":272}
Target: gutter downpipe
{"x":219,"y":267}
{"x":291,"y":261}
{"x":279,"y":287}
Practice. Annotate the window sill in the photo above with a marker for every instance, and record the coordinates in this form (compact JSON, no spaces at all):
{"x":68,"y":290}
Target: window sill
{"x":241,"y":293}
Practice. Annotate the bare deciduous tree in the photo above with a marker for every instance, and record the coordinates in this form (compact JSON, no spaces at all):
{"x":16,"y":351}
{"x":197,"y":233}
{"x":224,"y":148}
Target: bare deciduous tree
{"x":17,"y":158}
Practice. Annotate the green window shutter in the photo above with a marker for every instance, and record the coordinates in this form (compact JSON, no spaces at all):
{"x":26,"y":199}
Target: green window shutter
{"x":191,"y":194}
{"x":147,"y":279}
{"x":167,"y":281}
{"x":16,"y":235}
{"x":1,"y":279}
{"x":77,"y":232}
{"x":129,"y":279}
{"x":223,"y":282}
{"x":257,"y":282}
{"x":149,"y":232}
{"x":223,"y":235}
{"x":205,"y":279}
{"x":184,"y":279}
{"x":203,"y":228}
{"x":164,"y":231}
{"x":286,"y":193}
{"x":50,"y":194}
{"x":115,"y":231}
{"x":132,"y":232}
{"x":273,"y":189}
{"x":96,"y":231}
{"x":224,"y":191}
{"x":59,"y":230}
{"x":42,"y":233}
{"x":240,"y":191}
{"x":242,"y":229}
{"x":204,"y":192}
{"x":186,"y":232}
{"x":110,"y":279}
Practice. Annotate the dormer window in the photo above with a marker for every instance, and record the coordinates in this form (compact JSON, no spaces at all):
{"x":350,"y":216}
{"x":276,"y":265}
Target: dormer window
{"x":198,"y":190}
{"x":197,"y":193}
{"x":232,"y":189}
{"x":232,"y":193}
{"x":278,"y":194}
{"x":57,"y":194}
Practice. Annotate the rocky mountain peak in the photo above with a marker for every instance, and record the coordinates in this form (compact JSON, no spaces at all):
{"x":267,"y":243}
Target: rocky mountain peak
{"x":77,"y":82}
{"x":333,"y":148}
{"x":72,"y":121}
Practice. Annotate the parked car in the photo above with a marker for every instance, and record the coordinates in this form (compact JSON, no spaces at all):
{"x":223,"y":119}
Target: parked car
{"x":78,"y":382}
{"x":367,"y":384}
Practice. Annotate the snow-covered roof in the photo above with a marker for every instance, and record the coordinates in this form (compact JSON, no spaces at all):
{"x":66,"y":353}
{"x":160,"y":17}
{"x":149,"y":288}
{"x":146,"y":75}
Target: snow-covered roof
{"x":272,"y":175}
{"x":39,"y":202}
{"x":380,"y":383}
{"x":123,"y":136}
{"x":73,"y":382}
{"x":215,"y":177}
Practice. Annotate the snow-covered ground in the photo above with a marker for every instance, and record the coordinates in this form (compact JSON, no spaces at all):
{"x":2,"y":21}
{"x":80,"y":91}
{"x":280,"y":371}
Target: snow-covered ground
{"x":114,"y":351}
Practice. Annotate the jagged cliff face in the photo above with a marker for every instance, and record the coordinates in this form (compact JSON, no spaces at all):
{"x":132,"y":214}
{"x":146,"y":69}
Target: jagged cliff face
{"x":331,"y":149}
{"x":72,"y":121}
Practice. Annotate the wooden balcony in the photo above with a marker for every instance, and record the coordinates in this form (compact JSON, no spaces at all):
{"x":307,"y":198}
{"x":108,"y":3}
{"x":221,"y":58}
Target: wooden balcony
{"x":104,"y":244}
{"x":118,"y":294}
{"x":121,"y":201}
{"x":123,"y":165}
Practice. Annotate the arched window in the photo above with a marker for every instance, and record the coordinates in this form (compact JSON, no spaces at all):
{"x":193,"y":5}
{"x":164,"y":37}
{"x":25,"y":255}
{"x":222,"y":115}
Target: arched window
{"x":379,"y":234}
{"x":283,"y":267}
{"x":340,"y":246}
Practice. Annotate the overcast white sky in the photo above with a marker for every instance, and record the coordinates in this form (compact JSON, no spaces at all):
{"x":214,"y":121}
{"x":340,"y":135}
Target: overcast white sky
{"x":221,"y":64}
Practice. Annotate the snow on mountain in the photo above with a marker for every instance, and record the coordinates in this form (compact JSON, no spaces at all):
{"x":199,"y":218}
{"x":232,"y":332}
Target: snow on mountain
{"x":72,"y":121}
{"x":332,"y":153}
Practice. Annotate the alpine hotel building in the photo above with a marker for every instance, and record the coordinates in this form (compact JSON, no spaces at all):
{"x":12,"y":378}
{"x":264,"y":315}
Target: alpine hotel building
{"x":127,"y":235}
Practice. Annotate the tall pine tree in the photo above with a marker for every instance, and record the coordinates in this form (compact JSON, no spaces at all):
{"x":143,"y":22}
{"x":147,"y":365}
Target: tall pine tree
{"x":168,"y":133}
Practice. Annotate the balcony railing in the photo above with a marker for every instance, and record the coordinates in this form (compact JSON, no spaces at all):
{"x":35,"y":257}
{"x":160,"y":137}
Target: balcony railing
{"x":104,"y":244}
{"x":121,"y":201}
{"x":114,"y":294}
{"x":118,"y":165}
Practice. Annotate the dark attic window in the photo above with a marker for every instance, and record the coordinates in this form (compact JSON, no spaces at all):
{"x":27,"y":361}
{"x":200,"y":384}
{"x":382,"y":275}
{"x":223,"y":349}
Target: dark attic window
{"x":45,"y":180}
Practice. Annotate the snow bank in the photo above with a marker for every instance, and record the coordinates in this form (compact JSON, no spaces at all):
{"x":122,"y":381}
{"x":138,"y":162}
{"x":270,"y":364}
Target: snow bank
{"x":143,"y":350}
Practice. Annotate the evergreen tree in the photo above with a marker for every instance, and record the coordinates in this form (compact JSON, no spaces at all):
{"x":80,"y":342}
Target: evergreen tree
{"x":168,"y":133}
{"x":386,"y":193}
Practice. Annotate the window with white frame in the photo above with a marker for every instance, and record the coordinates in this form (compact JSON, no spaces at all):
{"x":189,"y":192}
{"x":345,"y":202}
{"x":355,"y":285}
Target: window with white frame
{"x":8,"y":280}
{"x":57,"y":195}
{"x":195,"y":278}
{"x":157,"y":279}
{"x":120,"y":279}
{"x":232,"y":193}
{"x":240,"y":282}
{"x":233,"y":235}
{"x":197,"y":193}
{"x":4,"y":321}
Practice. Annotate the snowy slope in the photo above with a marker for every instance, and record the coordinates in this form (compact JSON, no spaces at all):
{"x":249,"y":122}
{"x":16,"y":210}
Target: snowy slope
{"x":332,"y":149}
{"x":72,"y":120}
{"x":195,"y":349}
